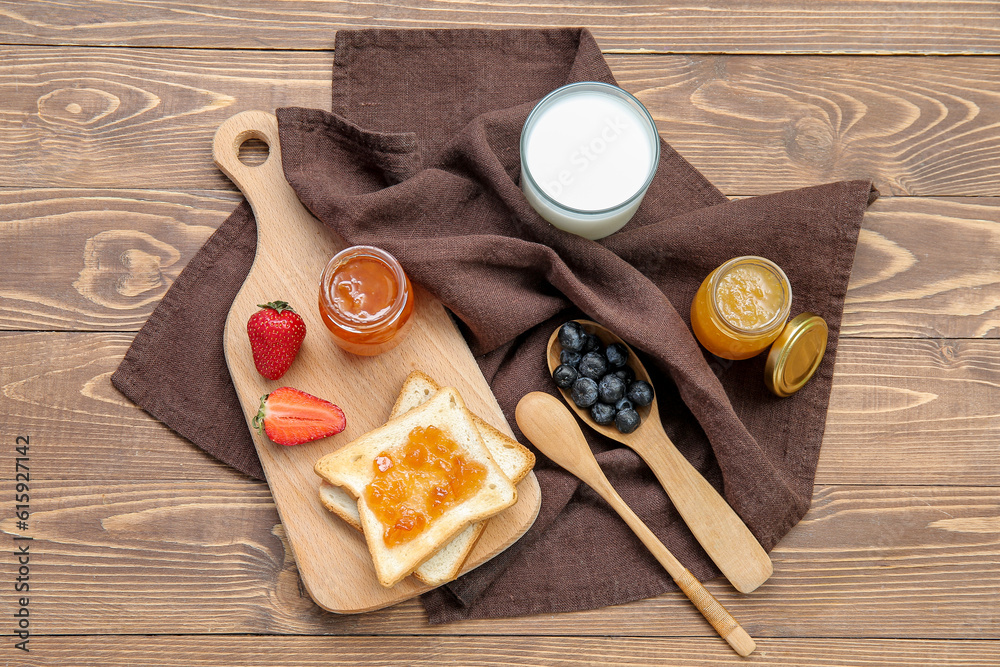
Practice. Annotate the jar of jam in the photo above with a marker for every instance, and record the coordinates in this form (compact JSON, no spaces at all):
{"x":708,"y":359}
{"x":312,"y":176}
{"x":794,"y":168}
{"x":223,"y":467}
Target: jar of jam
{"x":741,"y":307}
{"x":366,"y":300}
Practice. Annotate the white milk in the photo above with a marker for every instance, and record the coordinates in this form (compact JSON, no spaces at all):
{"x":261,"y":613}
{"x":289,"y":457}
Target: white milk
{"x":588,"y":152}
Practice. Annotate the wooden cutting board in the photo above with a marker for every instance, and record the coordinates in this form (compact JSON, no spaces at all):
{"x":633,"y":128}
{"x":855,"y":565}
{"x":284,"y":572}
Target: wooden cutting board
{"x":292,"y":250}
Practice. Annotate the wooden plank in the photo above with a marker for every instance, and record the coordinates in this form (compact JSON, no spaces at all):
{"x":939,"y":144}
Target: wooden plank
{"x":177,"y":557}
{"x":774,"y":27}
{"x":102,"y":259}
{"x":117,"y":117}
{"x":278,"y":651}
{"x":755,"y":125}
{"x":58,"y":393}
{"x":901,"y":412}
{"x":926,"y":267}
{"x":913,"y":412}
{"x":97,"y":259}
{"x":125,"y":118}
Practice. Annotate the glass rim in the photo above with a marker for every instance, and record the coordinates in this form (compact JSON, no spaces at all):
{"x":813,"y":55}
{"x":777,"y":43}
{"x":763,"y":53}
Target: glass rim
{"x":786,"y":288}
{"x":569,"y":89}
{"x":398,"y":304}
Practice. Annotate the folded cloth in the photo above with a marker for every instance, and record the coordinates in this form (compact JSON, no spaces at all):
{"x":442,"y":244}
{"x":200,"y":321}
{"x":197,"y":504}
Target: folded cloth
{"x":420,"y":157}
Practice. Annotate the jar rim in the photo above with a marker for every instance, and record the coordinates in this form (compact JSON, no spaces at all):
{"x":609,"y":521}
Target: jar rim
{"x":570,"y":89}
{"x":398,"y":304}
{"x":780,"y":316}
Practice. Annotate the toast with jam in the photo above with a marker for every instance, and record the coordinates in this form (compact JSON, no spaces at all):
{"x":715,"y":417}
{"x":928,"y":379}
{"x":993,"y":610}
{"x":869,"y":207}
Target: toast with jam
{"x":419,"y":480}
{"x":514,"y":459}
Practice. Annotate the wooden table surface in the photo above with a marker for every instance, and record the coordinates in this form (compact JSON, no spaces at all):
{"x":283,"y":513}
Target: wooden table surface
{"x":146,"y":551}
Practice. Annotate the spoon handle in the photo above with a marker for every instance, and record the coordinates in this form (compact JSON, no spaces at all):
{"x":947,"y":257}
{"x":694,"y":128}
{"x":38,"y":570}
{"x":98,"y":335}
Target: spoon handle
{"x":550,"y":426}
{"x":715,"y":525}
{"x":713,"y":610}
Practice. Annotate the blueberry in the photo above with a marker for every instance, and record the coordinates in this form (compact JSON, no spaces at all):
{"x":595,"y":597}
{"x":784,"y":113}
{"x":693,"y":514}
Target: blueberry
{"x":565,"y":376}
{"x":593,"y":365}
{"x":626,"y":373}
{"x":602,"y":413}
{"x":617,"y":355}
{"x":627,"y":421}
{"x":640,"y":393}
{"x":591,"y":343}
{"x":610,"y":389}
{"x":584,"y":392}
{"x":624,"y":404}
{"x":572,"y":337}
{"x":570,"y":358}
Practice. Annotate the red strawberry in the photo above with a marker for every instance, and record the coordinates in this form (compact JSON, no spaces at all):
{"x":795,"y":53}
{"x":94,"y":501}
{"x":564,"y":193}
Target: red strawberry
{"x":276,"y":332}
{"x":291,"y":417}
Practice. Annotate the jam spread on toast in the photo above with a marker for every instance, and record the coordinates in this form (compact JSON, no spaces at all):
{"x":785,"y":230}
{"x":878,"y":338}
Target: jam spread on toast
{"x":418,"y":481}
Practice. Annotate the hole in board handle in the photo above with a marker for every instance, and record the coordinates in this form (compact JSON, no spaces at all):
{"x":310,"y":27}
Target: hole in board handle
{"x":253,"y":152}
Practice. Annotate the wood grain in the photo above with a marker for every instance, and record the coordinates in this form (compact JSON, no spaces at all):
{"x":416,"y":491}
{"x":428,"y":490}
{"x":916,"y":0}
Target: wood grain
{"x":59,"y":386}
{"x":118,"y":117}
{"x":888,"y":411}
{"x":276,"y":651}
{"x":97,"y":259}
{"x":784,"y":26}
{"x":754,"y":125}
{"x":901,"y":412}
{"x":126,"y":118}
{"x":209,"y":557}
{"x":102,"y":259}
{"x":926,"y":267}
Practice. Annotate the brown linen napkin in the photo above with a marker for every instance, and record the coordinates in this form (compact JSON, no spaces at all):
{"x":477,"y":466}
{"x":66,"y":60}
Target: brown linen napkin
{"x":421,"y":158}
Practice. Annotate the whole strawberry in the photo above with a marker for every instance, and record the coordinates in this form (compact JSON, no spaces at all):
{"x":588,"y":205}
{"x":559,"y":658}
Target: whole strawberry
{"x":276,"y":332}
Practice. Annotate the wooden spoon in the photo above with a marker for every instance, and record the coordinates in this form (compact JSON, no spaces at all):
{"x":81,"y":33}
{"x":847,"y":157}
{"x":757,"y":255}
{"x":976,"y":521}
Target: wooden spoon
{"x":719,"y":530}
{"x":552,"y":429}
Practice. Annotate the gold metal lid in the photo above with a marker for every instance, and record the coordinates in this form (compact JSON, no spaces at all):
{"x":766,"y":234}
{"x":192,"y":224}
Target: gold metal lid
{"x":796,"y":354}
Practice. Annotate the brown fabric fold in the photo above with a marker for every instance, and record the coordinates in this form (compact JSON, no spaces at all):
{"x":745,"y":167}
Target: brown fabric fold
{"x":420,"y":157}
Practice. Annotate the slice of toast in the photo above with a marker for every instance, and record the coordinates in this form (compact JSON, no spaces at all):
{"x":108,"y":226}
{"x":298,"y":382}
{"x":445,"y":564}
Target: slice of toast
{"x":514,"y":459}
{"x":351,"y":467}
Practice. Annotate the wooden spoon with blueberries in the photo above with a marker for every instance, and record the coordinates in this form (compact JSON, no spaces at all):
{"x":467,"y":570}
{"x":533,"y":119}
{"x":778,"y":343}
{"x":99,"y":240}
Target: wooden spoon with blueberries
{"x":594,"y":367}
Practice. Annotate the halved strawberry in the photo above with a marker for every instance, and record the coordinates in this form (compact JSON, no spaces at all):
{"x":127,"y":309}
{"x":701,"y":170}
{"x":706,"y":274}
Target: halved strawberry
{"x":291,"y":417}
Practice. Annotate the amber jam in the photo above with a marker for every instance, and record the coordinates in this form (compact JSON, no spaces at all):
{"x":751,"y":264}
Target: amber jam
{"x":741,"y":307}
{"x":418,"y":481}
{"x":365,"y":300}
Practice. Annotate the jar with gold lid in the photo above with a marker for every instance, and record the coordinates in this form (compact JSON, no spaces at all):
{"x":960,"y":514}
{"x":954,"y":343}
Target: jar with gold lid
{"x":741,"y":307}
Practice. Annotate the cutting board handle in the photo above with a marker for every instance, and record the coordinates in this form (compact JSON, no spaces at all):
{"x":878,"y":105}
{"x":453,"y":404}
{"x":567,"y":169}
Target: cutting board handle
{"x":275,"y":204}
{"x":226,"y":150}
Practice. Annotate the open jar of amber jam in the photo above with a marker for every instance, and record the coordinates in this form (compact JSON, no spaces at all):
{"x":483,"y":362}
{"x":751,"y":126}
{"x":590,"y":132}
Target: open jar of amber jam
{"x":366,"y":300}
{"x":741,"y":307}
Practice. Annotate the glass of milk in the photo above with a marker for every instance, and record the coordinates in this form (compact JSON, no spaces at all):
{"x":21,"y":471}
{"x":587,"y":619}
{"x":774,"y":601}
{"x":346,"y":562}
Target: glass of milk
{"x":589,"y":151}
